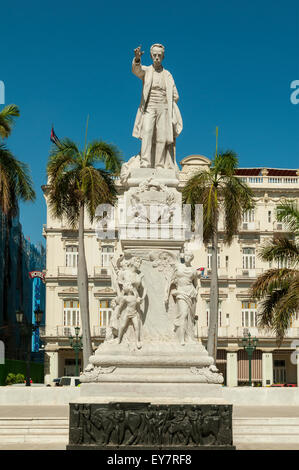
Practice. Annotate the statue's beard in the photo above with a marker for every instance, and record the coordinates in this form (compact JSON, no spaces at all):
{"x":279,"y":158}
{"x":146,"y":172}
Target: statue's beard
{"x":157,"y":65}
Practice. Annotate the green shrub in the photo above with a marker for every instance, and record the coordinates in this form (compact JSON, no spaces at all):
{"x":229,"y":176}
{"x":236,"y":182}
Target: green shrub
{"x":14,"y":379}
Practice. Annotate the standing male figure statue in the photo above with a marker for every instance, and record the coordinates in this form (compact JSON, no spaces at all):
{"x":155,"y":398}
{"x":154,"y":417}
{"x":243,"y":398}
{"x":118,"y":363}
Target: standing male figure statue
{"x":158,"y":121}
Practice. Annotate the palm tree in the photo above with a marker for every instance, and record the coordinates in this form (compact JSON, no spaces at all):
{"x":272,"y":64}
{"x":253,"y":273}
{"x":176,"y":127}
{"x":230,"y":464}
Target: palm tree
{"x":15,"y":185}
{"x":76,"y":185}
{"x":15,"y":182}
{"x":219,"y":191}
{"x":278,"y":289}
{"x":7,"y":116}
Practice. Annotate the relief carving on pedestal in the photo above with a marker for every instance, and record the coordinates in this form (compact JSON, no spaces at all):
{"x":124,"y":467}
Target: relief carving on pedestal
{"x":142,"y":424}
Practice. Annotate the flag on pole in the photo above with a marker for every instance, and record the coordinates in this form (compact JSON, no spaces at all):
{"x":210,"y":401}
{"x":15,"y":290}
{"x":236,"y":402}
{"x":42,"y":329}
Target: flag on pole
{"x":55,"y":139}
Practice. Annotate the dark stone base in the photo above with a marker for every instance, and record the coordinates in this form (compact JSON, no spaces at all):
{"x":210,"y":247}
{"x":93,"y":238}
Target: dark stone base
{"x":141,"y":448}
{"x":144,"y":426}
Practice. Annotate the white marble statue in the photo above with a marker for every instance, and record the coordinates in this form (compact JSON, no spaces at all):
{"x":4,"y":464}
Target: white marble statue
{"x":129,"y":313}
{"x":131,"y":292}
{"x":184,"y":289}
{"x":158,"y":121}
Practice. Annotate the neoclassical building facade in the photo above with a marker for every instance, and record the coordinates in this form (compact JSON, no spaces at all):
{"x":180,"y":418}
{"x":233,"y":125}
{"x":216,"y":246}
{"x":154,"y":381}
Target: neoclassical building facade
{"x":238,"y":266}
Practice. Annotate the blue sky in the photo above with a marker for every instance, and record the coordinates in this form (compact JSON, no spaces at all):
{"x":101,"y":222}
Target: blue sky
{"x":232,"y":62}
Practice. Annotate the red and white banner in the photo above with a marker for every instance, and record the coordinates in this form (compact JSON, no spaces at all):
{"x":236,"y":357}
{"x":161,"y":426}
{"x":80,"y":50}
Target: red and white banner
{"x":40,"y":274}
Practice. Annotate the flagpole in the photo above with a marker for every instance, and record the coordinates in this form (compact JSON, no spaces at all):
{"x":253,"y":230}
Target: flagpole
{"x":216,"y":140}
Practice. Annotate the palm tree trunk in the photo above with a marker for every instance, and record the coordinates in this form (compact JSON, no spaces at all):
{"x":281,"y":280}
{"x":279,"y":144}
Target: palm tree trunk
{"x":82,"y":280}
{"x":214,"y":294}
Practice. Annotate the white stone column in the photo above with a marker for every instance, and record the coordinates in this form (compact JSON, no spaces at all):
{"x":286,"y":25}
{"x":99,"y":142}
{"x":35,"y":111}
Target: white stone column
{"x":53,"y":367}
{"x":267,"y":368}
{"x":231,"y":369}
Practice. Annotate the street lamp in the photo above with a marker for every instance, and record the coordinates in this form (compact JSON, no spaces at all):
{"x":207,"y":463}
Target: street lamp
{"x":76,"y":344}
{"x":27,"y":329}
{"x":249,"y":345}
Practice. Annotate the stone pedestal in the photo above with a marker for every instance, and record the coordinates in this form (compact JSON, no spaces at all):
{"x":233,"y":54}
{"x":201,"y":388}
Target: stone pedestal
{"x":151,"y":384}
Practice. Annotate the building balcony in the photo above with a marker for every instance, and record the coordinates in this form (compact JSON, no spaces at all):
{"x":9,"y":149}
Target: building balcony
{"x":98,"y":331}
{"x":58,"y":331}
{"x":238,"y":332}
{"x":67,"y":271}
{"x":248,"y":273}
{"x":280,"y":227}
{"x":61,"y":331}
{"x":222,"y":273}
{"x":101,"y":271}
{"x":249,"y":226}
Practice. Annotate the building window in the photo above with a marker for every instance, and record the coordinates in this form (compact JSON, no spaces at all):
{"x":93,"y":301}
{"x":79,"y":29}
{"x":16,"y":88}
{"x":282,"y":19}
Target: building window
{"x":106,"y":255}
{"x":279,"y":371}
{"x":208,"y":312}
{"x":71,"y":256}
{"x":248,"y":258}
{"x":269,"y":216}
{"x":249,"y":314}
{"x":71,"y":313}
{"x":105,"y":312}
{"x":210,"y":258}
{"x":248,"y":216}
{"x":70,"y":368}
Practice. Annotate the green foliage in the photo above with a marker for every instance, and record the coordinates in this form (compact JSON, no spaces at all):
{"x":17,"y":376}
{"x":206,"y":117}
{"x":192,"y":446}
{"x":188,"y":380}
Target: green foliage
{"x":14,"y":379}
{"x":15,"y":182}
{"x":7,"y":116}
{"x":218,"y":189}
{"x":77,"y":176}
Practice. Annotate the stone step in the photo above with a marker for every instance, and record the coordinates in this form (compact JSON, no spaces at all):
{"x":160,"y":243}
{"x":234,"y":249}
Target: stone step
{"x":34,"y":430}
{"x":266,"y":430}
{"x":55,"y":430}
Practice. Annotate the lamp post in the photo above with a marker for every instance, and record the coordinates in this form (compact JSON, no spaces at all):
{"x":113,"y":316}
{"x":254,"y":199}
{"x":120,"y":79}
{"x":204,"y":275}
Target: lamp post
{"x":27,"y":329}
{"x":76,"y":344}
{"x":249,"y":345}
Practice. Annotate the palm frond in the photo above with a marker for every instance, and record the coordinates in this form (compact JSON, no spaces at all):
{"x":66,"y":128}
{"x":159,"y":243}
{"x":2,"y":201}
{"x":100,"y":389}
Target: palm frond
{"x":280,"y":249}
{"x":200,"y":189}
{"x":289,"y":214}
{"x":271,"y":280}
{"x":66,"y":157}
{"x":225,"y":163}
{"x":237,"y":197}
{"x":98,"y":188}
{"x":100,"y":151}
{"x":15,"y":182}
{"x":7,"y":115}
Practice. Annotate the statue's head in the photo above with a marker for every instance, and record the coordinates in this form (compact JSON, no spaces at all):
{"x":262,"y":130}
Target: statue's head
{"x":136,"y":262}
{"x":157,"y":54}
{"x":188,"y":256}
